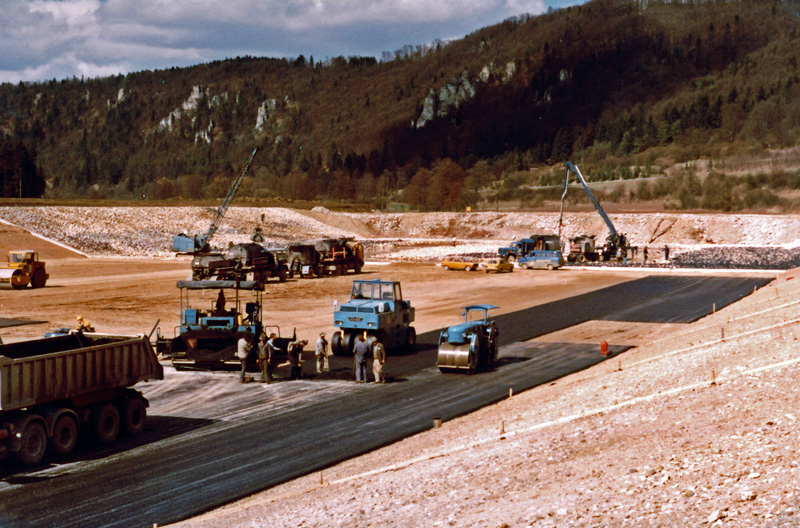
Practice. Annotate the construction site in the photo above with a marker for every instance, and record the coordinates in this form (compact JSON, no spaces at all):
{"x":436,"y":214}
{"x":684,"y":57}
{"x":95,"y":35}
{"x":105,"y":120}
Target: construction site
{"x":686,"y":421}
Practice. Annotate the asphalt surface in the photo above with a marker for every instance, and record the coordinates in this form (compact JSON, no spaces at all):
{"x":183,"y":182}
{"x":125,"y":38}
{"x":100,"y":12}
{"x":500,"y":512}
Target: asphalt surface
{"x":195,"y":458}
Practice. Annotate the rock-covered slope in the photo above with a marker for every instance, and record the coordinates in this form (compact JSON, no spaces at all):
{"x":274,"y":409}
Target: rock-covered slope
{"x":148,"y":231}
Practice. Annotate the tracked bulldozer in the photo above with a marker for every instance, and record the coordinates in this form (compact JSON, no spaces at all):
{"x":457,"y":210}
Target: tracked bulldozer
{"x":469,"y":346}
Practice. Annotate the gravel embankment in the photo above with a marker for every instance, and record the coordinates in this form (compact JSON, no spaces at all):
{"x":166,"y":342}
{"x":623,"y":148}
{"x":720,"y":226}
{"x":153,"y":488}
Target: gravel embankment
{"x":709,"y":241}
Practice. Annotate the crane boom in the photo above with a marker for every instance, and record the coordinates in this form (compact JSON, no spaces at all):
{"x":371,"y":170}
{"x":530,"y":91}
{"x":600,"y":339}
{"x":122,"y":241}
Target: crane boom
{"x":196,"y":244}
{"x":616,"y":245}
{"x":606,"y":219}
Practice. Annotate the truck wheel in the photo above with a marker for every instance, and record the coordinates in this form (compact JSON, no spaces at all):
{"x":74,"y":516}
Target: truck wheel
{"x":581,"y":259}
{"x":342,"y":346}
{"x":106,"y":423}
{"x":65,"y":435}
{"x":33,"y":444}
{"x":39,"y":279}
{"x":282,"y":275}
{"x":357,"y":268}
{"x":134,"y":416}
{"x":411,"y":338}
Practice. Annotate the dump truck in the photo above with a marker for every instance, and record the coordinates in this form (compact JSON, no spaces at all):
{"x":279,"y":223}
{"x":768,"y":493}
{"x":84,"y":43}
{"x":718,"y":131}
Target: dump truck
{"x":249,"y":261}
{"x":23,"y":268}
{"x":469,"y":346}
{"x":377,"y":310}
{"x":212,"y":322}
{"x":339,"y":255}
{"x":303,"y":260}
{"x":53,"y":389}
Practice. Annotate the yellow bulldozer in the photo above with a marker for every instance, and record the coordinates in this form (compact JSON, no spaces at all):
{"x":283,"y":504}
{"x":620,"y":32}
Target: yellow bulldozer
{"x":23,"y":268}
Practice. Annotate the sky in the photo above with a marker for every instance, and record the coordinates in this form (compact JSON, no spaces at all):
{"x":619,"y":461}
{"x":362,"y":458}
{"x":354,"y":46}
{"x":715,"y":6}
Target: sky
{"x":56,"y":39}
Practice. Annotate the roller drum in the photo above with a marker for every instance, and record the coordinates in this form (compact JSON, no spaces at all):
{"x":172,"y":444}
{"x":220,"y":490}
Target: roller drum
{"x":16,"y":278}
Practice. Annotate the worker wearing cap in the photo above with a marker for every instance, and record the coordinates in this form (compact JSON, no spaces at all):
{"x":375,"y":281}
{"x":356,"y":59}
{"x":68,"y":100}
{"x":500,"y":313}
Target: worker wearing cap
{"x":321,"y":353}
{"x":84,"y":325}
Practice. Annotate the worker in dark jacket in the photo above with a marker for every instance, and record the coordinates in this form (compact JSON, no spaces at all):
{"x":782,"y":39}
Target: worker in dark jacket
{"x":360,"y":353}
{"x":295,"y":356}
{"x":264,"y":358}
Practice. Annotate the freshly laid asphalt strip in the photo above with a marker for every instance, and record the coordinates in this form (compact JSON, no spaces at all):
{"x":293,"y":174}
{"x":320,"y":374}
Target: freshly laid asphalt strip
{"x":164,"y":482}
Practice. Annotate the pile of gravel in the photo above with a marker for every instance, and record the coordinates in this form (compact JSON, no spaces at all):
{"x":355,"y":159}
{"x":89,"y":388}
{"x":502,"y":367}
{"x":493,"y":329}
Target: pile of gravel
{"x":739,"y":258}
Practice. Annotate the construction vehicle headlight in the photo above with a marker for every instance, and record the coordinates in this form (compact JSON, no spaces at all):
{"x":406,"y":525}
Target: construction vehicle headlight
{"x":371,"y":325}
{"x":339,"y":323}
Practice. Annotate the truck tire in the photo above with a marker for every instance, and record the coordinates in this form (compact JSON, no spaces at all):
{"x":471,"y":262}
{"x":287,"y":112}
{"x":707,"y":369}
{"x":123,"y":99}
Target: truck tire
{"x":134,"y":416}
{"x":357,"y":268}
{"x":33,"y":444}
{"x":342,"y":345}
{"x":65,"y":435}
{"x":282,"y":275}
{"x":581,"y":259}
{"x":411,"y":338}
{"x":39,"y":279}
{"x":105,"y":423}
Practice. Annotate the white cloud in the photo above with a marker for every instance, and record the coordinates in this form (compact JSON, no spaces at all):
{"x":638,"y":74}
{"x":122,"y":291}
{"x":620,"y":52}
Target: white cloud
{"x":43,"y":39}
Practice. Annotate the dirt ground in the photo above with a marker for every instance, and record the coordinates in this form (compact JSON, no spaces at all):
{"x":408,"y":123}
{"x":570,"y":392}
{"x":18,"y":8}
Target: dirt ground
{"x":696,"y":426}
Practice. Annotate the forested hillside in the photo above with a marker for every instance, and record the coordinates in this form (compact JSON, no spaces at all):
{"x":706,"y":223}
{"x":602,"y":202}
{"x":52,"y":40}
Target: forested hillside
{"x":626,"y":89}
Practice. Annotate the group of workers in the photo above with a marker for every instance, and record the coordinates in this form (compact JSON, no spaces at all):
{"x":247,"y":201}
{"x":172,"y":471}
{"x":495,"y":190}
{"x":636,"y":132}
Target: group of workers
{"x":267,"y":351}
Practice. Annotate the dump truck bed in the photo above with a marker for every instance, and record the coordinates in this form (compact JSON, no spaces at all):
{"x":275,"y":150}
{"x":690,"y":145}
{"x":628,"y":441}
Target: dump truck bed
{"x":66,"y":367}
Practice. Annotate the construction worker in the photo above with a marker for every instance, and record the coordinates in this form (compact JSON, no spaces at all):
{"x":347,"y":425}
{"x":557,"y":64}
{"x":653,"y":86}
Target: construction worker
{"x":321,"y":353}
{"x":360,"y":353}
{"x":264,"y":358}
{"x":84,"y":325}
{"x":273,"y":350}
{"x":243,"y":348}
{"x":378,"y":360}
{"x":295,"y":356}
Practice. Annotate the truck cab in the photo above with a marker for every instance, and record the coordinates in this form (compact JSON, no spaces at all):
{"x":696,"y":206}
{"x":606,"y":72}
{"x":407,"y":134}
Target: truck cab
{"x":376,"y":309}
